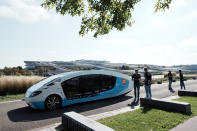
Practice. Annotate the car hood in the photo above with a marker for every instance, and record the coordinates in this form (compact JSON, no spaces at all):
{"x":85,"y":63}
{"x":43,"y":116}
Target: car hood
{"x":39,"y":85}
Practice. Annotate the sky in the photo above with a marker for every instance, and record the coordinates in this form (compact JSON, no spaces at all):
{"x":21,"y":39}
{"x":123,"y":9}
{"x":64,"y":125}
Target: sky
{"x":29,"y":32}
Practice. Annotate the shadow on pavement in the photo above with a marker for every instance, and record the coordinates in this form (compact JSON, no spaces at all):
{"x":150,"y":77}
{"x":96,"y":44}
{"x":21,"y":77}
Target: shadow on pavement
{"x":26,"y":114}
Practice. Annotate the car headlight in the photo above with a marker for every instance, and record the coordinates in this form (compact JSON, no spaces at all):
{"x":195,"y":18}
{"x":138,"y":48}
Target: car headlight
{"x":35,"y":93}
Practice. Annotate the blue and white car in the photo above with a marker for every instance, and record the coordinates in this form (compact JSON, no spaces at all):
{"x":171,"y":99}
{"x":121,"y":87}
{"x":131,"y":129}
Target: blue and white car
{"x":76,"y":87}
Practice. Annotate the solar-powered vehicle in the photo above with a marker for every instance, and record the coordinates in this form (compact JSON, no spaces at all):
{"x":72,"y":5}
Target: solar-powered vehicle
{"x":76,"y":87}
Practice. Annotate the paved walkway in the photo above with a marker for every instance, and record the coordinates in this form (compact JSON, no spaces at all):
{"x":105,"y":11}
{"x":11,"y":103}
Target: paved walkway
{"x":189,"y":125}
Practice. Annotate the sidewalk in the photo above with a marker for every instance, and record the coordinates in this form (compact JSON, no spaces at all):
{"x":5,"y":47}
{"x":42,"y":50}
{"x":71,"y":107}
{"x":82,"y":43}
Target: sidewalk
{"x":189,"y":125}
{"x":53,"y":127}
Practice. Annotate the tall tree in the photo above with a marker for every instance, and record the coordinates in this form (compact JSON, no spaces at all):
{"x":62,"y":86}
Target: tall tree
{"x":101,"y":16}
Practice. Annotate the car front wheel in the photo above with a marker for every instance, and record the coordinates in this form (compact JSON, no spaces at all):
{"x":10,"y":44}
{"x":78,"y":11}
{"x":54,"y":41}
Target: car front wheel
{"x":53,"y":102}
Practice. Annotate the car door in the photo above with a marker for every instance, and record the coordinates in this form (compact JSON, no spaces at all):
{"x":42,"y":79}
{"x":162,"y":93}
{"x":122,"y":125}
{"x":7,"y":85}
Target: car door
{"x":89,"y":85}
{"x":71,"y":88}
{"x":107,"y":85}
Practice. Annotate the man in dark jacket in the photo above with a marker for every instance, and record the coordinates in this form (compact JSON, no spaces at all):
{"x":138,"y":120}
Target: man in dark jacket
{"x":181,"y":79}
{"x":147,"y":82}
{"x":136,"y":78}
{"x":170,"y":80}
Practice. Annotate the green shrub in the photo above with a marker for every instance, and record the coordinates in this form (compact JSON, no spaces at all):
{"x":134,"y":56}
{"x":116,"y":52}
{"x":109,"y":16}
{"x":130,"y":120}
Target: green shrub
{"x":157,"y":73}
{"x":18,"y":74}
{"x":30,"y":73}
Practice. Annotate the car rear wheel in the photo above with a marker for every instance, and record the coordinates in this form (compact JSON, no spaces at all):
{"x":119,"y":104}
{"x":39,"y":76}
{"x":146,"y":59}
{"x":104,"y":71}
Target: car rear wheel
{"x":53,"y":102}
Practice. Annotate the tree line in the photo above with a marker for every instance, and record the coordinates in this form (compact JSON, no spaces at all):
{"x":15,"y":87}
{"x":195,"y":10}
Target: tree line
{"x":19,"y":71}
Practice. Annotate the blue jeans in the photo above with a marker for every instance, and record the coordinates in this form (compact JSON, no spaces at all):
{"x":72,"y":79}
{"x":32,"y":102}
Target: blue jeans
{"x":170,"y":85}
{"x":148,"y":91}
{"x":182,"y":84}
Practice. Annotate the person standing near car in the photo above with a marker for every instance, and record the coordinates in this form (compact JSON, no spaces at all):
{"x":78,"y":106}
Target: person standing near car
{"x":136,"y":78}
{"x":147,"y":82}
{"x":181,"y":79}
{"x":170,"y":77}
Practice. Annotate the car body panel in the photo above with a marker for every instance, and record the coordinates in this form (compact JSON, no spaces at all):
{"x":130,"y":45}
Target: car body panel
{"x":122,"y":86}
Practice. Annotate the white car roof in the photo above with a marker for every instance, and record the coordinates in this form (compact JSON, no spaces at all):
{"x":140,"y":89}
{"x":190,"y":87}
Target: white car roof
{"x":68,"y":75}
{"x":72,"y":74}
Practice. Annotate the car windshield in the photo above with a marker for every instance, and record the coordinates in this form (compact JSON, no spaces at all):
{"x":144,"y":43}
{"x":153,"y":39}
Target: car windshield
{"x":45,"y":81}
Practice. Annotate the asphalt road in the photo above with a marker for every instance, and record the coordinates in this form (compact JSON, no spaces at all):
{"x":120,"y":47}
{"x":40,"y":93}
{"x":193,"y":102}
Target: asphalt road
{"x":16,"y":116}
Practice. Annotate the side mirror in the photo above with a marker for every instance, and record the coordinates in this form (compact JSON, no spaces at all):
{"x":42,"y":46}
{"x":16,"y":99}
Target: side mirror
{"x":51,"y":84}
{"x":55,"y":82}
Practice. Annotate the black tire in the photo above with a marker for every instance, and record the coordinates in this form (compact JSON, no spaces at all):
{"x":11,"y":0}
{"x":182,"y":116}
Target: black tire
{"x":53,"y":102}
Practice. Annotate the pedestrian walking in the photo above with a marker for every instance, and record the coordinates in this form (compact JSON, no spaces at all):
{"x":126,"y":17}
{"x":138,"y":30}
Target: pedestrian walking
{"x":170,"y":77}
{"x":182,"y":84}
{"x":147,"y":82}
{"x":136,"y":78}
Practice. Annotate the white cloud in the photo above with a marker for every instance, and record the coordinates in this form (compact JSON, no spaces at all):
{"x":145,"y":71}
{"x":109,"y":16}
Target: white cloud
{"x":26,"y":11}
{"x":162,"y":54}
{"x":140,"y":52}
{"x":193,"y":14}
{"x":189,"y":43}
{"x":52,"y":52}
{"x":178,"y":3}
{"x":157,"y":22}
{"x":187,"y":51}
{"x":175,"y":5}
{"x":122,"y":42}
{"x":188,"y":17}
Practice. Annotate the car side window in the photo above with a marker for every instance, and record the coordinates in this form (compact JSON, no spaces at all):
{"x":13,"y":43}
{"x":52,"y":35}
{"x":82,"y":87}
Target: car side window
{"x":89,"y":85}
{"x":107,"y":82}
{"x":71,"y":88}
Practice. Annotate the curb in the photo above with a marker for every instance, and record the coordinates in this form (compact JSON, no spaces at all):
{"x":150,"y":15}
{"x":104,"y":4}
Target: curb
{"x":113,"y":113}
{"x":11,"y":101}
{"x":52,"y":127}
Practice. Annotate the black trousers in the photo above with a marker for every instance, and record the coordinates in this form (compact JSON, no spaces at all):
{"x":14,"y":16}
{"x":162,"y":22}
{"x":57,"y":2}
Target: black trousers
{"x":137,"y":91}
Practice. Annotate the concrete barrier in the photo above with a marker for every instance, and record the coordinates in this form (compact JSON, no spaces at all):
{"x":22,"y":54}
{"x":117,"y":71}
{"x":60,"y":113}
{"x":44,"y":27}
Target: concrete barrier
{"x":167,"y":105}
{"x":187,"y":93}
{"x":73,"y":121}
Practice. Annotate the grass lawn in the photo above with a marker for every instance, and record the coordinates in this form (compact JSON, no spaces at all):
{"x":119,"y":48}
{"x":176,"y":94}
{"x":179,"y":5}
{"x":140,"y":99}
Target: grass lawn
{"x":147,"y":119}
{"x":11,"y":97}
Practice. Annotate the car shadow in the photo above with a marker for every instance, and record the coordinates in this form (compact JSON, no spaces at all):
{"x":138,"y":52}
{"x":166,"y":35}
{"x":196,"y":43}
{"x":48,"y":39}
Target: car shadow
{"x":26,"y":114}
